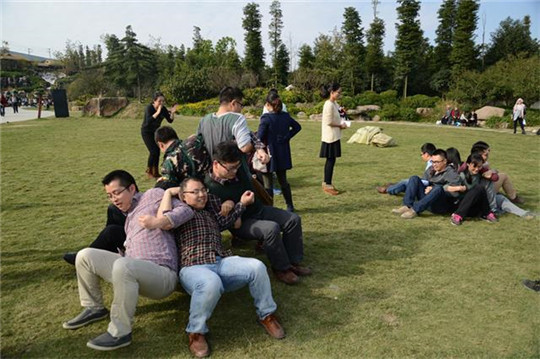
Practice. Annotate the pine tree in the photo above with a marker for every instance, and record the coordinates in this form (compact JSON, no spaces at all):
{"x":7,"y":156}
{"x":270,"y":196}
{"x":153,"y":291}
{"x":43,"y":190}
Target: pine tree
{"x":374,"y":50}
{"x":274,"y":34}
{"x":254,"y":51}
{"x":307,"y":58}
{"x":353,"y":50}
{"x":281,"y":65}
{"x":409,"y":43}
{"x":445,"y":33}
{"x":464,"y":54}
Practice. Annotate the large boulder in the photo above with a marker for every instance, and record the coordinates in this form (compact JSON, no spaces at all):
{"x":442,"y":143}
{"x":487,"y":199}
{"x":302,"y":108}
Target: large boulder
{"x":301,"y":114}
{"x":315,"y":117}
{"x":104,"y":106}
{"x":489,"y":111}
{"x":366,"y":108}
{"x":424,"y":111}
{"x":536,"y":105}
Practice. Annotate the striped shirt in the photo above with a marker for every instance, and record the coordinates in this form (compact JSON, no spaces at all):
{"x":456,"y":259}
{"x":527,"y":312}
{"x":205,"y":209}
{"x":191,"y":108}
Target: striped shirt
{"x":199,"y":239}
{"x":154,"y":245}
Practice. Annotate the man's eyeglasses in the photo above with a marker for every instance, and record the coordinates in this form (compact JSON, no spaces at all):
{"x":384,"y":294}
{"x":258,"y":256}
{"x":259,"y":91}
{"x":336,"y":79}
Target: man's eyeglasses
{"x":196,"y":192}
{"x":239,"y":104}
{"x":437,"y":162}
{"x":115,"y":194}
{"x":230,"y":169}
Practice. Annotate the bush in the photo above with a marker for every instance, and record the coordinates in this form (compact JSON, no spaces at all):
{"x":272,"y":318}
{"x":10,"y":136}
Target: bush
{"x":408,"y":114}
{"x":388,"y":97}
{"x":390,"y":112}
{"x":419,"y":101}
{"x":255,"y":96}
{"x":368,"y":98}
{"x":199,"y":108}
{"x":347,"y":102}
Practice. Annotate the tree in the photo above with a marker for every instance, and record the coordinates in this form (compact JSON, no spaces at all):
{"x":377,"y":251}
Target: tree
{"x":445,"y":34}
{"x":274,"y":34}
{"x":281,"y":65}
{"x":512,"y":37}
{"x":306,"y":57}
{"x":374,"y":50}
{"x":254,"y":51}
{"x":464,"y":54}
{"x":409,"y":43}
{"x":353,"y":50}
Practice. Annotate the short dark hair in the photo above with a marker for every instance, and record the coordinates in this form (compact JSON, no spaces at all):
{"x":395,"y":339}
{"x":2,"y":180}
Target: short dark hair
{"x":439,"y":152}
{"x":228,"y":94}
{"x":227,"y":152}
{"x":124,"y":177}
{"x":475,"y":158}
{"x":327,"y":89}
{"x":184,"y":183}
{"x":164,"y":134}
{"x":428,"y":148}
{"x":480,"y":143}
{"x":274,"y":101}
{"x":157,"y":94}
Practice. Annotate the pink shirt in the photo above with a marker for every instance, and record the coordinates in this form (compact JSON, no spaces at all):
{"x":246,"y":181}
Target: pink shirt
{"x":154,"y":245}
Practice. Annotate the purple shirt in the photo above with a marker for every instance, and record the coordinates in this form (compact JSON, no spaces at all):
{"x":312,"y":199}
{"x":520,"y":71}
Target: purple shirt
{"x":154,"y":245}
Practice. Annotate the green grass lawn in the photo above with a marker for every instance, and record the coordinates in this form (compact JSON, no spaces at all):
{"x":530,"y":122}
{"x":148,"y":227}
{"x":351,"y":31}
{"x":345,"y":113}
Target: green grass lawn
{"x":383,"y":287}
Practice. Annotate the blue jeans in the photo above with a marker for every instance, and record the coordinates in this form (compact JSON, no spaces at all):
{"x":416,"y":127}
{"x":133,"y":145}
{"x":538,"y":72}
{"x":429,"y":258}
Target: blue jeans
{"x":416,"y":198}
{"x":399,"y":187}
{"x":206,"y":282}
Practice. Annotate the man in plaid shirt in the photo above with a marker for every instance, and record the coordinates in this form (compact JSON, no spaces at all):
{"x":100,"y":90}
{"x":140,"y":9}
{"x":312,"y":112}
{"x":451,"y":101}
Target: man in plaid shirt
{"x":208,"y":269}
{"x":148,"y":266}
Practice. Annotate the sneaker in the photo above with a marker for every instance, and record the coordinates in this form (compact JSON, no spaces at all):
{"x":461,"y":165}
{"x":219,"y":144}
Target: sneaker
{"x":70,"y":257}
{"x":400,"y":210}
{"x":532,"y":284}
{"x":529,"y":215}
{"x":276,"y":191}
{"x":331,"y":190}
{"x":198,"y":346}
{"x":410,"y":214}
{"x":491,"y":218}
{"x":87,"y":316}
{"x":107,"y":342}
{"x":456,"y":219}
{"x":272,"y":326}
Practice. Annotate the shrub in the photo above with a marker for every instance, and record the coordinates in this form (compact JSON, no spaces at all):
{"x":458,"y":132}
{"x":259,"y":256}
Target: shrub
{"x":419,"y":101}
{"x":388,"y":97}
{"x":255,"y":96}
{"x":347,"y":102}
{"x":390,"y":112}
{"x":199,"y":108}
{"x":368,"y":98}
{"x":408,"y":114}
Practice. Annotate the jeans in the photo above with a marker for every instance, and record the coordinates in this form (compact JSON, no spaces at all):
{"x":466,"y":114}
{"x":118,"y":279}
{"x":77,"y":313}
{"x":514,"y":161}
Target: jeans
{"x":505,"y":205}
{"x":206,"y":282}
{"x":399,"y":187}
{"x":415,"y":197}
{"x":267,"y":227}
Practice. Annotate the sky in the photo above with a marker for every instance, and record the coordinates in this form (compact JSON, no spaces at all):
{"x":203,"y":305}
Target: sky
{"x":42,"y":27}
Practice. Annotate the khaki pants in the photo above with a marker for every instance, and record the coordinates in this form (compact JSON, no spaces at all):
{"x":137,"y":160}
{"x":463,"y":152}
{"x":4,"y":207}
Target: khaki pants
{"x":129,"y":277}
{"x":507,"y":186}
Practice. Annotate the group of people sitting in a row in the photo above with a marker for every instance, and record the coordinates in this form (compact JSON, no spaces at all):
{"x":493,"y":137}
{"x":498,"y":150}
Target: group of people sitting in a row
{"x":172,"y":232}
{"x":465,"y":189}
{"x":454,"y":117}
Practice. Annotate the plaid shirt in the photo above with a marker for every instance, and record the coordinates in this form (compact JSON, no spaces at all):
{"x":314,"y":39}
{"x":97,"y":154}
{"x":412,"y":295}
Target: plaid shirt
{"x":199,"y":239}
{"x":154,"y":245}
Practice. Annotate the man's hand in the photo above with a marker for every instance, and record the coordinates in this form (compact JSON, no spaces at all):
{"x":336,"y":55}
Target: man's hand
{"x":487,"y":174}
{"x":237,"y":223}
{"x":428,"y":189}
{"x":173,"y":191}
{"x":247,"y":198}
{"x":263,"y":156}
{"x":148,"y":222}
{"x":226,"y":207}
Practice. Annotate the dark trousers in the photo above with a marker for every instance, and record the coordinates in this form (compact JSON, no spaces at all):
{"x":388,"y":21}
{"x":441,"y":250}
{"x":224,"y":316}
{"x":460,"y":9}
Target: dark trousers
{"x":520,"y":120}
{"x":436,"y":200}
{"x":280,"y":233}
{"x":268,"y":180}
{"x":113,"y":236}
{"x":329,"y":170}
{"x":150,"y":142}
{"x":474,"y":204}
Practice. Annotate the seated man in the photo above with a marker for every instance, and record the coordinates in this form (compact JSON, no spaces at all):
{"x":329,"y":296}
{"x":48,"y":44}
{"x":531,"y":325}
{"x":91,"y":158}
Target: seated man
{"x":148,"y":266}
{"x":208,"y":270}
{"x":265,"y":224}
{"x":426,"y":151}
{"x":439,"y":195}
{"x":180,"y":159}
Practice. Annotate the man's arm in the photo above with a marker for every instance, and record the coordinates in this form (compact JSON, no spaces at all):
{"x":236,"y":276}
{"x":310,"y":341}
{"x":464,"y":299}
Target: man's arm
{"x":224,"y":222}
{"x":171,"y":213}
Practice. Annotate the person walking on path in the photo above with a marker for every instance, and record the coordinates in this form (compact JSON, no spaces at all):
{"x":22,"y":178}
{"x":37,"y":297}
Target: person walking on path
{"x":518,"y":115}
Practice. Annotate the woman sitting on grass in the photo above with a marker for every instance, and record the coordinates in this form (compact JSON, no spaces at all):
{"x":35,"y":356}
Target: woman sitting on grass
{"x":475,"y":202}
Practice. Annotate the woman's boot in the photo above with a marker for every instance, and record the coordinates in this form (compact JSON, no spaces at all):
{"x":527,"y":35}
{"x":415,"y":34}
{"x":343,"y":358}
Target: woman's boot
{"x":287,"y":196}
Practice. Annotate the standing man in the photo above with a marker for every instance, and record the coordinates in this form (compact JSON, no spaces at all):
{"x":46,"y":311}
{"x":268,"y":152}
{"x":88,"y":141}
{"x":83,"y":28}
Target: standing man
{"x":279,"y":231}
{"x":148,"y":266}
{"x":208,"y":269}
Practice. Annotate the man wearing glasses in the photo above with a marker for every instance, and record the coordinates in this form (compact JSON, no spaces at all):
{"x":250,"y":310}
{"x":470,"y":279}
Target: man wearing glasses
{"x":439,"y":195}
{"x":148,"y":266}
{"x":279,"y":231}
{"x":208,"y":269}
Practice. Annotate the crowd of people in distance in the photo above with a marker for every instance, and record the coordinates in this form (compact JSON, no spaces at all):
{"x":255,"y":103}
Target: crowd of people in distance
{"x":222,"y":178}
{"x":453,"y":117}
{"x":463,"y":189}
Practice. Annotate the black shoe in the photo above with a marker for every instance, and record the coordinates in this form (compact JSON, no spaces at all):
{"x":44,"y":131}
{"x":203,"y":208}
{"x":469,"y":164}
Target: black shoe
{"x":107,"y":342}
{"x":70,"y":257}
{"x":532,"y":284}
{"x":87,"y":316}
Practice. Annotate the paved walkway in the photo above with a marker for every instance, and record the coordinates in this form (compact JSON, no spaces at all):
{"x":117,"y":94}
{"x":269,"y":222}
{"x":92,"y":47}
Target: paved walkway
{"x":23,"y":115}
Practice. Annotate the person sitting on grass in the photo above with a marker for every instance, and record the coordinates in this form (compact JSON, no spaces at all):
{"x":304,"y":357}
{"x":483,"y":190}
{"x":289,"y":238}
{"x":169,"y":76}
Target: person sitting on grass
{"x":438,"y":195}
{"x":148,"y":267}
{"x":208,"y":269}
{"x":279,"y":231}
{"x":474,"y":202}
{"x":426,"y":150}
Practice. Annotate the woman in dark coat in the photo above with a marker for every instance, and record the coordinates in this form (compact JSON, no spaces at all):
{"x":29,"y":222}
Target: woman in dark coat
{"x":276,"y":129}
{"x":153,"y":116}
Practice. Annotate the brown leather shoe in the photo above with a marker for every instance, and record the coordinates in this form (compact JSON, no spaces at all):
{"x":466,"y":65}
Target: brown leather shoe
{"x":272,"y":326}
{"x":198,"y":345}
{"x":286,"y":276}
{"x":331,"y":190}
{"x":149,"y":173}
{"x":517,"y":200}
{"x":299,"y":270}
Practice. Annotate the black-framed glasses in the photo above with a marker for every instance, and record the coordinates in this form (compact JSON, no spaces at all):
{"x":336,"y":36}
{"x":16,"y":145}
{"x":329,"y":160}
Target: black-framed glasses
{"x":230,"y":169}
{"x":198,"y":191}
{"x":437,"y":162}
{"x":115,"y":194}
{"x":239,"y":103}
